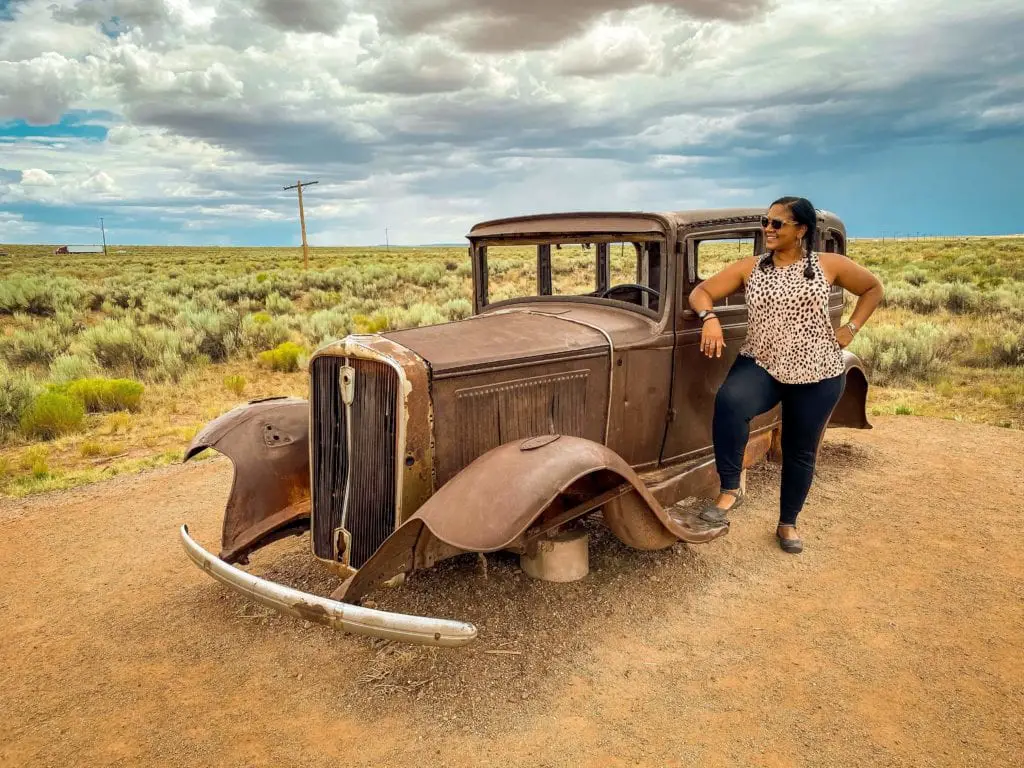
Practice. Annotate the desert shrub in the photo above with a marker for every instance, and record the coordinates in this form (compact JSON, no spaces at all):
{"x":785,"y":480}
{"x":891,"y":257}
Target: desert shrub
{"x":169,"y":366}
{"x":901,"y":354}
{"x":378,"y":277}
{"x":958,"y":298}
{"x":457,"y":309}
{"x":284,"y":357}
{"x":122,"y":346}
{"x":38,"y":296}
{"x":158,"y":310}
{"x":235,"y":384}
{"x":924,"y":300}
{"x":957,"y":274}
{"x":33,"y":346}
{"x":962,"y":298}
{"x":1008,"y":349}
{"x":332,"y":280}
{"x":415,"y":316}
{"x":68,"y":322}
{"x":278,"y":304}
{"x":65,"y":368}
{"x":1009,"y":298}
{"x":325,"y":326}
{"x":106,"y":394}
{"x":51,"y":414}
{"x":370,"y":323}
{"x":916,"y":276}
{"x":17,"y":390}
{"x":126,"y":296}
{"x":426,"y":275}
{"x":319,"y":299}
{"x":95,"y":298}
{"x":501,"y":266}
{"x":214,"y":334}
{"x":261,"y":331}
{"x":117,"y":344}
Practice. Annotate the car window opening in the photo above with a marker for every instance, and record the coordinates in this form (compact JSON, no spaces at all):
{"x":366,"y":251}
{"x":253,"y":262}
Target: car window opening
{"x":629,"y":272}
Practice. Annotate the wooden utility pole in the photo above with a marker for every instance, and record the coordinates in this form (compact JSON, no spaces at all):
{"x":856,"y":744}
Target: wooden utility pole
{"x":302,"y":220}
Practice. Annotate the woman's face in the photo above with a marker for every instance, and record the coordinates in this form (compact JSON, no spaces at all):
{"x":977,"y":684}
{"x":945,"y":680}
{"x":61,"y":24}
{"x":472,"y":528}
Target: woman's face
{"x":789,"y":236}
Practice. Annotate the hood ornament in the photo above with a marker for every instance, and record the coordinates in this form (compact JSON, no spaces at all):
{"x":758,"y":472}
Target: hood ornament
{"x":347,"y":384}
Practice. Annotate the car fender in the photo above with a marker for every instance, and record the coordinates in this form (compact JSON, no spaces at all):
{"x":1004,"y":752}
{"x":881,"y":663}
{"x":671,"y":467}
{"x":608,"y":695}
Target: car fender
{"x":505,"y":498}
{"x":851,"y":410}
{"x":267,"y":442}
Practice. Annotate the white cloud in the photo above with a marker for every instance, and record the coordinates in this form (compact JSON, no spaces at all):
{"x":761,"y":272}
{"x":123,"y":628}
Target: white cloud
{"x":37,"y":177}
{"x":98,"y":182}
{"x":607,"y":50}
{"x":13,"y":227}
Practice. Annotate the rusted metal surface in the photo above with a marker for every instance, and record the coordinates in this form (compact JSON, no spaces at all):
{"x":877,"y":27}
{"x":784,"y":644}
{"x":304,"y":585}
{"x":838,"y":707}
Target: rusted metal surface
{"x":475,"y":512}
{"x":572,"y":224}
{"x":851,"y":410}
{"x":267,"y":442}
{"x":490,"y":342}
{"x":478,"y":412}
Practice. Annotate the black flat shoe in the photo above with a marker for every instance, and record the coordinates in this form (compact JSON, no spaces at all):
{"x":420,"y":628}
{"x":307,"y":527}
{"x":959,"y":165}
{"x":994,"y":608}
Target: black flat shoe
{"x":793,"y":546}
{"x":714,"y":514}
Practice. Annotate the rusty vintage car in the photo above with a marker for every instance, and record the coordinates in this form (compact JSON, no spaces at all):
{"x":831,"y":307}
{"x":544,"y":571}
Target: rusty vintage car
{"x":497,"y":431}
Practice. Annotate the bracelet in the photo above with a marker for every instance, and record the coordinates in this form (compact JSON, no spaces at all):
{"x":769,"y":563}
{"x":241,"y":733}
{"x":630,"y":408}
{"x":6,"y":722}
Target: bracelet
{"x":853,"y":327}
{"x":707,"y":317}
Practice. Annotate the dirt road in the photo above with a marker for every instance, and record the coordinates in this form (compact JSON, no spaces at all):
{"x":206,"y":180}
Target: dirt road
{"x":895,"y":639}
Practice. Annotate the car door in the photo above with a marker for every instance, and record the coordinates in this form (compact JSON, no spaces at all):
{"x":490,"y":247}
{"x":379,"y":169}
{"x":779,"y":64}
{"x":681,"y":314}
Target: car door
{"x":696,"y":378}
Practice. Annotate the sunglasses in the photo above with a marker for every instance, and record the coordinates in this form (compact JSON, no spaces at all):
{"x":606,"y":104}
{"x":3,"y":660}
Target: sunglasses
{"x":775,"y":223}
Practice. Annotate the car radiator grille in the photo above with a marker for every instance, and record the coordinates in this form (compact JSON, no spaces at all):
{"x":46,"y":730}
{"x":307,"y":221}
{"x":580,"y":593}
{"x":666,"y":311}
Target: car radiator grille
{"x":369,"y":471}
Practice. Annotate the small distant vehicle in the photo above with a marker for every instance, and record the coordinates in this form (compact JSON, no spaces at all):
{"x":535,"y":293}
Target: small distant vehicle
{"x":498,"y":431}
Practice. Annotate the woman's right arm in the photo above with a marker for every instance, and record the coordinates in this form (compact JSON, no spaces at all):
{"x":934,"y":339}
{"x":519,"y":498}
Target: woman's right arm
{"x":716,"y":287}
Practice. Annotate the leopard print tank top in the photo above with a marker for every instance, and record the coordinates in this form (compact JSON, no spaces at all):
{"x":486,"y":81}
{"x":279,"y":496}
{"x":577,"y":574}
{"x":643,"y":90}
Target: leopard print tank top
{"x":789,"y":333}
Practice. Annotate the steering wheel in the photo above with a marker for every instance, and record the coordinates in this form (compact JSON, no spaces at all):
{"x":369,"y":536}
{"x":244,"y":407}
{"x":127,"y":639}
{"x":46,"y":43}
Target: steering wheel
{"x":604,"y":294}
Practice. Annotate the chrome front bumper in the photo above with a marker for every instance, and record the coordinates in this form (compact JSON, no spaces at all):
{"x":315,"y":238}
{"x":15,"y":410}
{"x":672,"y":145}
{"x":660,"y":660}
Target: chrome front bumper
{"x":346,"y":617}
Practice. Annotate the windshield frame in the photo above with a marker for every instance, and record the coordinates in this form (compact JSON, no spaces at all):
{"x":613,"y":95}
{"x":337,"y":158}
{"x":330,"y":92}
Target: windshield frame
{"x":478,"y":252}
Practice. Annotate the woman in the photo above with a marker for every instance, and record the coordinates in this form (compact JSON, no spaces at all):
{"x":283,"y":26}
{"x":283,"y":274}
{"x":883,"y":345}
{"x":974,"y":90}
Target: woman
{"x":791,"y":355}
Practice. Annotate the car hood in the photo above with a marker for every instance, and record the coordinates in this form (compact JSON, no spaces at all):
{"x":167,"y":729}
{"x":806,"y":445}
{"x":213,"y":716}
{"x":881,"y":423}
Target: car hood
{"x":492,"y":339}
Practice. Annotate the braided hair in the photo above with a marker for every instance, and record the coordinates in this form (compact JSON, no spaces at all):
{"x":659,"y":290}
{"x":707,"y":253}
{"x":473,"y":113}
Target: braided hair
{"x":803,"y":213}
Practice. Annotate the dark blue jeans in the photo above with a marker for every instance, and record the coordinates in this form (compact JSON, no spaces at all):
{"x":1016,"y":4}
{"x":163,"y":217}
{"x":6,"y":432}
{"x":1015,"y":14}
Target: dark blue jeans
{"x":749,"y":390}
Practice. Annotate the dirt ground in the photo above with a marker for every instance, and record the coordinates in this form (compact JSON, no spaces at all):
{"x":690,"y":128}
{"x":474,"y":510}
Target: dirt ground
{"x":895,"y":639}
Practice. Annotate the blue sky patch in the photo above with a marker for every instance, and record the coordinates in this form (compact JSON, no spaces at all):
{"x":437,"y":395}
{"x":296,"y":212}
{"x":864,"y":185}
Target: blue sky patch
{"x":76,"y":125}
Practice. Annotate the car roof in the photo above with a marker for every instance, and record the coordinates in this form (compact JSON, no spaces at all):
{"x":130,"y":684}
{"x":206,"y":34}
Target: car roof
{"x":623,"y":221}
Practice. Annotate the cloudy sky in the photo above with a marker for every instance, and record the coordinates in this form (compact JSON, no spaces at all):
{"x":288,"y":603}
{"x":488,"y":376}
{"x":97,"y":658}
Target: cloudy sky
{"x":179,"y":121}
